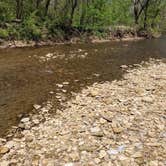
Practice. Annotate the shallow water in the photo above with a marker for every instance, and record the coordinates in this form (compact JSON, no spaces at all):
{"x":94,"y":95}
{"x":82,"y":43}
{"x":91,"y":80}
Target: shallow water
{"x":25,"y":79}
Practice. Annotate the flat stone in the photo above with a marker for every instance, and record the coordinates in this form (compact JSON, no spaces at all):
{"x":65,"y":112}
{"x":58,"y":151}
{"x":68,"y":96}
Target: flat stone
{"x":4,"y":150}
{"x":24,"y":120}
{"x":94,"y":92}
{"x":96,"y":131}
{"x":36,"y":106}
{"x":102,"y":154}
{"x":148,"y":99}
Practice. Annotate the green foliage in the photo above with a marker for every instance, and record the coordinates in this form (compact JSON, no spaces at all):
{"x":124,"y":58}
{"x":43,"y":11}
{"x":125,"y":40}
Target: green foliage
{"x":5,"y":11}
{"x":121,"y":12}
{"x":30,"y":28}
{"x":3,"y":33}
{"x":36,"y":19}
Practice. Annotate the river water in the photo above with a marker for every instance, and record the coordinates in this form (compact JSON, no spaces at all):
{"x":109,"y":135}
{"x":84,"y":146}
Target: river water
{"x":27,"y":75}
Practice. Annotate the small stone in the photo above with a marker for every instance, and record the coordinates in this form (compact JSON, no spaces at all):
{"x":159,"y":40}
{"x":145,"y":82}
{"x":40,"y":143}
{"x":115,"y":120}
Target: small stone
{"x":29,"y":138}
{"x":2,"y":141}
{"x":147,"y":99}
{"x":69,"y":164}
{"x":123,"y":66}
{"x":97,"y":160}
{"x":10,"y":144}
{"x":153,"y":163}
{"x":36,"y":121}
{"x":24,"y":120}
{"x":94,"y":92}
{"x":137,"y":155}
{"x":112,"y":152}
{"x":65,"y":83}
{"x":102,"y":121}
{"x":102,"y":154}
{"x":96,"y":131}
{"x":4,"y":163}
{"x":36,"y":106}
{"x":59,"y":85}
{"x":88,"y":148}
{"x":21,"y":125}
{"x":4,"y":150}
{"x":74,"y":156}
{"x":117,"y":130}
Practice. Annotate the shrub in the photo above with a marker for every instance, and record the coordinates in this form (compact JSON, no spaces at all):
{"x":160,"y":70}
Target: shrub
{"x":30,"y":28}
{"x":3,"y":33}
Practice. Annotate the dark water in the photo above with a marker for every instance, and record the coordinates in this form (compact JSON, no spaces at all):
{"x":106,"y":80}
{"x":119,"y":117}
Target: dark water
{"x":25,"y":81}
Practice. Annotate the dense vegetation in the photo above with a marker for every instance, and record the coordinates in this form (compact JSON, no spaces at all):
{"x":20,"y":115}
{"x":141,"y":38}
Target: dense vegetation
{"x":49,"y":19}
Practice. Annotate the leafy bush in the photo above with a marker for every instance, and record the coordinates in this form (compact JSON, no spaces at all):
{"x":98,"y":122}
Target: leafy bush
{"x":55,"y":29}
{"x":30,"y":28}
{"x":3,"y":33}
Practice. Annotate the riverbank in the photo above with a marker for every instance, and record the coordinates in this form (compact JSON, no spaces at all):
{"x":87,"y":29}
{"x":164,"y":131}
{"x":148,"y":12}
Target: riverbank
{"x":21,"y":43}
{"x":122,"y":34}
{"x":111,"y":123}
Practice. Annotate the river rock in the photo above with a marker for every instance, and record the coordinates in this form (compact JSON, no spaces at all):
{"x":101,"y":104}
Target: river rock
{"x":25,"y":120}
{"x":96,"y":131}
{"x":94,"y":92}
{"x":102,"y":154}
{"x":148,"y":99}
{"x":36,"y":106}
{"x":4,"y":150}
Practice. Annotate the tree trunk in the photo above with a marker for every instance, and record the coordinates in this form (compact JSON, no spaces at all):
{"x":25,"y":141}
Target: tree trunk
{"x":19,"y":9}
{"x":74,"y":5}
{"x":46,"y":7}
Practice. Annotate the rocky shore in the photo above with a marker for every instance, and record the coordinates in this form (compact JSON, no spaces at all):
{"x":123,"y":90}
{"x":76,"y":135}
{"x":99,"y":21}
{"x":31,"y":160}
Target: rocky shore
{"x":119,"y":123}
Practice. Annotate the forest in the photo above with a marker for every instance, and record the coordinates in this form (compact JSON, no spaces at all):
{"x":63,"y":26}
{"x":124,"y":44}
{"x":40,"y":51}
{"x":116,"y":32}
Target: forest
{"x":49,"y":19}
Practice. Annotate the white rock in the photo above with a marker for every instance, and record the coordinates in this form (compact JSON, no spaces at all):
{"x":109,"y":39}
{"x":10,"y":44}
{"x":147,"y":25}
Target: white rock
{"x":36,"y":106}
{"x":24,"y":120}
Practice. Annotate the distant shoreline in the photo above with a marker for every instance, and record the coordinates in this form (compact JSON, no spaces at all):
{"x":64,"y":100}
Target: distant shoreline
{"x":22,"y":43}
{"x":119,"y":34}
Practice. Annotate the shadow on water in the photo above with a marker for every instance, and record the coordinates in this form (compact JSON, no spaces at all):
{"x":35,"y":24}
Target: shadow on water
{"x":24,"y":80}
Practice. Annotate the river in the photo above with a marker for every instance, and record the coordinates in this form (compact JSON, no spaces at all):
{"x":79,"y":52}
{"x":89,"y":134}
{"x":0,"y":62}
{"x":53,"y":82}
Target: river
{"x":28,"y":75}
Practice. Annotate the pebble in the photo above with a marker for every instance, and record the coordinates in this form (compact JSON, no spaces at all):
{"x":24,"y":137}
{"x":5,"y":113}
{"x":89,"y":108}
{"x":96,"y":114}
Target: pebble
{"x":36,"y":106}
{"x":4,"y":150}
{"x":24,"y":120}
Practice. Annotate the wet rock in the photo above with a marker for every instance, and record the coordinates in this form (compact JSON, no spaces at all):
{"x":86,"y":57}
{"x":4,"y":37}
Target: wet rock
{"x":65,"y":83}
{"x":36,"y":121}
{"x":21,"y":125}
{"x":59,"y":85}
{"x":36,"y":106}
{"x":25,"y":120}
{"x":123,"y":66}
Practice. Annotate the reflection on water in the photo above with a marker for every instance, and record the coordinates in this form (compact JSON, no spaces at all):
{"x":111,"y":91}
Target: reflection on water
{"x":27,"y":75}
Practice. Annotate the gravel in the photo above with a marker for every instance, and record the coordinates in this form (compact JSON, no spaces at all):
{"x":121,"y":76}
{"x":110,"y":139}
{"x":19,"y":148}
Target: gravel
{"x":117,"y":123}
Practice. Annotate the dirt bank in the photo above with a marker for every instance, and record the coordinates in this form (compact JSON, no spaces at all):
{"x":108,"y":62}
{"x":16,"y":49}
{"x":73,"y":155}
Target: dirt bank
{"x":111,"y":123}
